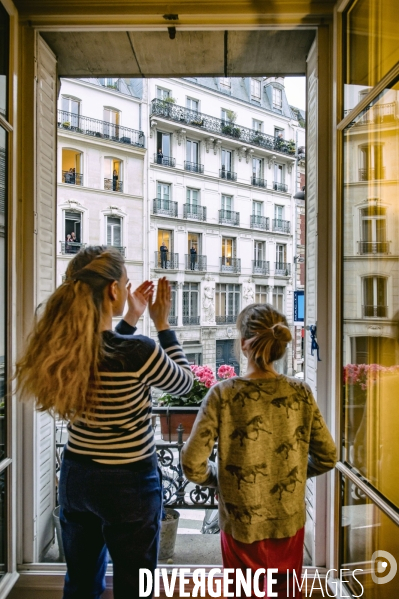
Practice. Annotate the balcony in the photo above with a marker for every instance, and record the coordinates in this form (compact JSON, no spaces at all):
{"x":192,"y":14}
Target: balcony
{"x":228,"y":175}
{"x":164,"y":160}
{"x":373,"y":247}
{"x":167,"y":260}
{"x":173,"y":320}
{"x":375,"y":311}
{"x":72,"y":178}
{"x":164,"y":207}
{"x":260,"y":267}
{"x":193,"y":167}
{"x":195,"y":262}
{"x":280,"y":186}
{"x":71,"y":247}
{"x":193,"y":320}
{"x":76,"y":123}
{"x":260,"y":222}
{"x":208,"y":123}
{"x":194,"y":211}
{"x":257,"y":182}
{"x":113,"y":185}
{"x":231,"y":265}
{"x":228,"y":217}
{"x":226,"y":319}
{"x":281,"y":226}
{"x":119,"y":248}
{"x":282,"y":268}
{"x":371,"y":174}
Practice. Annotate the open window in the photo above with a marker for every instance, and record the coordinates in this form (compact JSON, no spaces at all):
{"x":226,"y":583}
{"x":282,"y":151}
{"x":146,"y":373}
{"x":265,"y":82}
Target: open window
{"x":73,"y":221}
{"x":113,"y":177}
{"x":72,"y":166}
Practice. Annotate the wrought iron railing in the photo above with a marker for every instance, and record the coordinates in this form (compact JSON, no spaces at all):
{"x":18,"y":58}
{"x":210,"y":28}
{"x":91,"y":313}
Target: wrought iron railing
{"x":167,"y":260}
{"x":164,"y":160}
{"x":282,"y":226}
{"x":206,"y":122}
{"x":228,"y":175}
{"x":193,"y":167}
{"x":165,"y":207}
{"x":229,"y":217}
{"x":374,"y":247}
{"x":85,"y":125}
{"x":113,"y":185}
{"x":121,"y":250}
{"x":194,"y":211}
{"x":72,"y":178}
{"x":195,"y":262}
{"x":260,"y":222}
{"x":173,"y":320}
{"x":226,"y":319}
{"x":257,"y":182}
{"x":260,"y":267}
{"x":230,"y":264}
{"x":280,"y":186}
{"x":191,"y":320}
{"x":282,"y":268}
{"x":71,"y":247}
{"x":371,"y":174}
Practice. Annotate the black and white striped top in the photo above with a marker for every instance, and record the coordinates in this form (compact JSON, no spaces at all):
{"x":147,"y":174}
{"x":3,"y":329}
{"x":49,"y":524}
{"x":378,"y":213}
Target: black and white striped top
{"x":121,"y":432}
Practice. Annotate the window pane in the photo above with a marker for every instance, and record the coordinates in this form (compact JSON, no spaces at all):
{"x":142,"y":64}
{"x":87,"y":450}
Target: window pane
{"x":4,"y":58}
{"x":371,"y":298}
{"x":3,"y":296}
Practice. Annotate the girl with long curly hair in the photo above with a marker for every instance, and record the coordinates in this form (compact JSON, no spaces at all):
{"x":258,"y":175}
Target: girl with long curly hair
{"x":79,"y":369}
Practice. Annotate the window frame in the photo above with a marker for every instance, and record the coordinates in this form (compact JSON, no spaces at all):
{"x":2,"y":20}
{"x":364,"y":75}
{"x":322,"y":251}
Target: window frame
{"x":256,"y":94}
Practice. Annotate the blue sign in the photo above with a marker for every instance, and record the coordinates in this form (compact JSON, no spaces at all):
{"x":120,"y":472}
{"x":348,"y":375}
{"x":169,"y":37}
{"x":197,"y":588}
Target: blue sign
{"x":299,"y":306}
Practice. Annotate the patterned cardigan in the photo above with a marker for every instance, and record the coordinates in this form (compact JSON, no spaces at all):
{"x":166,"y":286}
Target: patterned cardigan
{"x":271,"y":437}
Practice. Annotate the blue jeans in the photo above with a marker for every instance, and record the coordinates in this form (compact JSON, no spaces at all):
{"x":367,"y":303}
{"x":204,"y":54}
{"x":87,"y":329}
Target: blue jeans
{"x":106,"y":508}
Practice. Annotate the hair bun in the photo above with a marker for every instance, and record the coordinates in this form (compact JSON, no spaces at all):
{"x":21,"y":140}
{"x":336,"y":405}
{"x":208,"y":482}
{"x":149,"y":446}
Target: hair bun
{"x":281,"y":332}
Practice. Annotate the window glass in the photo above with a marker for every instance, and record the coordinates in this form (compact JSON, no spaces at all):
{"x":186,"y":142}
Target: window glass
{"x":70,"y":111}
{"x":162,"y":94}
{"x":4,"y":58}
{"x":255,"y":89}
{"x":261,"y":294}
{"x":163,"y":143}
{"x":192,"y":151}
{"x":3,"y":294}
{"x":278,"y":298}
{"x":113,"y":174}
{"x":114,"y":231}
{"x":277,"y":98}
{"x":190,"y":303}
{"x":192,"y":104}
{"x":72,"y":167}
{"x":371,"y":295}
{"x":225,"y":81}
{"x":111,"y":123}
{"x":227,"y":202}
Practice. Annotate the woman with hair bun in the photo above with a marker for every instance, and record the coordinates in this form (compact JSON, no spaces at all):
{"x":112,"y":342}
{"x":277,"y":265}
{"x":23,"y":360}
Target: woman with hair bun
{"x":78,"y":368}
{"x":271,"y":437}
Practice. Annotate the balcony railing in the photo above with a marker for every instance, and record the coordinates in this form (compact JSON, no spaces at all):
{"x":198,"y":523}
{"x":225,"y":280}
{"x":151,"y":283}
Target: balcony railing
{"x":375,"y":311}
{"x":258,"y":182}
{"x":193,"y":167}
{"x":226,"y":319}
{"x":228,"y":175}
{"x":379,"y":113}
{"x":72,"y":178}
{"x":164,"y":160}
{"x":113,"y":185}
{"x":230,"y":264}
{"x":165,"y":207}
{"x":85,"y":125}
{"x":260,"y":222}
{"x":374,"y":247}
{"x":173,"y":320}
{"x":280,"y":186}
{"x":194,"y":211}
{"x":371,"y":174}
{"x":195,"y":262}
{"x":281,"y":226}
{"x":206,"y":122}
{"x":282,"y":268}
{"x":71,"y":247}
{"x":191,"y":320}
{"x":260,"y":267}
{"x":228,"y":217}
{"x":167,"y":260}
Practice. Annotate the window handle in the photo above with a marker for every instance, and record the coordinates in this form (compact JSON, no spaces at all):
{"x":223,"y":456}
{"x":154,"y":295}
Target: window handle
{"x":314,"y":345}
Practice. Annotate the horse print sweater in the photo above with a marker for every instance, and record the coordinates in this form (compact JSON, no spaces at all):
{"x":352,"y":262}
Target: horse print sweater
{"x":271,"y":437}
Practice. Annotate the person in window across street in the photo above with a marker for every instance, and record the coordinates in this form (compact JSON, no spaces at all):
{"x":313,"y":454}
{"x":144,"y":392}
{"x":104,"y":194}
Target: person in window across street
{"x":73,"y":237}
{"x":115,"y":180}
{"x":271,"y":437}
{"x":110,"y":490}
{"x":68,"y":249}
{"x":69,"y":176}
{"x":164,"y":255}
{"x":160,"y":156}
{"x":193,"y":257}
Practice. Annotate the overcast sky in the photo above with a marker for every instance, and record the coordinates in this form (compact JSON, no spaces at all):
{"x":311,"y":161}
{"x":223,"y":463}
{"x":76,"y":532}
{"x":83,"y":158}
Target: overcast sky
{"x":295,"y":88}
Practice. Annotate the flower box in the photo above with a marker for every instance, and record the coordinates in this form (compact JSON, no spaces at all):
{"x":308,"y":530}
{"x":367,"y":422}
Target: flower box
{"x":171,"y":417}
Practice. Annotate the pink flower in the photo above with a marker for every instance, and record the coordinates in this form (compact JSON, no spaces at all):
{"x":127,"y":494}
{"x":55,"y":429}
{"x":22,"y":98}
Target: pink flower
{"x":226,"y":372}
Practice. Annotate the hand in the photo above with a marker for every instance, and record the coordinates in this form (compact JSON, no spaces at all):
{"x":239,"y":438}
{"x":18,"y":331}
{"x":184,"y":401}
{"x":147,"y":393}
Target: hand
{"x":137,"y":301}
{"x":160,"y":308}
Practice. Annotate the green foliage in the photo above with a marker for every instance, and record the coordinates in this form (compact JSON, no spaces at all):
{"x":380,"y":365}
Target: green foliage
{"x":193,"y":398}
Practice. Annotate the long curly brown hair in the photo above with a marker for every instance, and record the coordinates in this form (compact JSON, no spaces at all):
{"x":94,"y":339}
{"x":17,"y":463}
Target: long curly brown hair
{"x":60,"y":363}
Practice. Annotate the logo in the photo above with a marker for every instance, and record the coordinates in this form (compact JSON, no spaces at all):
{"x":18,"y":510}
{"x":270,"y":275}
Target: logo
{"x":383,"y":567}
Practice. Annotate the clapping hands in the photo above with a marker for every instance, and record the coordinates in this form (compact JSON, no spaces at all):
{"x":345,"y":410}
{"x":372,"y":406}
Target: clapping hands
{"x":159,"y":307}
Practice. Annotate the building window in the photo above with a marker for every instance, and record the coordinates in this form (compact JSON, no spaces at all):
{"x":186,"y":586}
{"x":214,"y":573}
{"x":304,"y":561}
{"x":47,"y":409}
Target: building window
{"x":259,"y":251}
{"x":257,"y":125}
{"x":163,"y":196}
{"x":278,"y":298}
{"x":227,"y":302}
{"x":173,"y":319}
{"x":163,"y":147}
{"x":225,"y":81}
{"x":113,"y":174}
{"x":281,"y":254}
{"x":70,"y":111}
{"x":375,"y":297}
{"x":277,"y":98}
{"x":279,"y":173}
{"x":257,"y":170}
{"x":261,"y":294}
{"x":72,"y":167}
{"x":165,"y":255}
{"x":114,"y":231}
{"x":371,"y":162}
{"x":72,"y":232}
{"x":192,"y":152}
{"x":162,"y":93}
{"x":279,"y":213}
{"x":373,"y":230}
{"x":227,"y":202}
{"x":192,"y":104}
{"x":111,"y":119}
{"x":255,"y":89}
{"x":227,"y":116}
{"x":110,"y":82}
{"x":192,"y":196}
{"x":190,"y":304}
{"x":279,"y":133}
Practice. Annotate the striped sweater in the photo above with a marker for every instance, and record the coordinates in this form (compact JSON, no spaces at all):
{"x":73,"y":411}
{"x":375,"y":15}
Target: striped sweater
{"x":121,"y":430}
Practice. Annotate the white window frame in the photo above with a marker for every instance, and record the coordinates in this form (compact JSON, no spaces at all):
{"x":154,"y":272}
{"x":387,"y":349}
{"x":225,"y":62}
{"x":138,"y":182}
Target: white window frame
{"x":163,"y":93}
{"x":189,"y":100}
{"x":121,"y":172}
{"x":255,"y":203}
{"x":256,"y":87}
{"x":225,"y":81}
{"x":257,"y":125}
{"x":277,"y":98}
{"x":278,"y":293}
{"x":224,"y":198}
{"x":226,"y":289}
{"x":108,"y":216}
{"x":117,"y":213}
{"x":261,"y":294}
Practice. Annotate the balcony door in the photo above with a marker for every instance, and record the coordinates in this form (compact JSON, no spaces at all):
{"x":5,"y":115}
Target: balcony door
{"x":281,"y":255}
{"x":163,"y":143}
{"x":259,"y":252}
{"x":226,"y":160}
{"x":227,"y":203}
{"x":111,"y":123}
{"x":375,"y":297}
{"x":70,"y":110}
{"x":114,"y":231}
{"x":163,"y":195}
{"x":228,"y":251}
{"x":373,"y":230}
{"x":257,"y":168}
{"x":192,"y":151}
